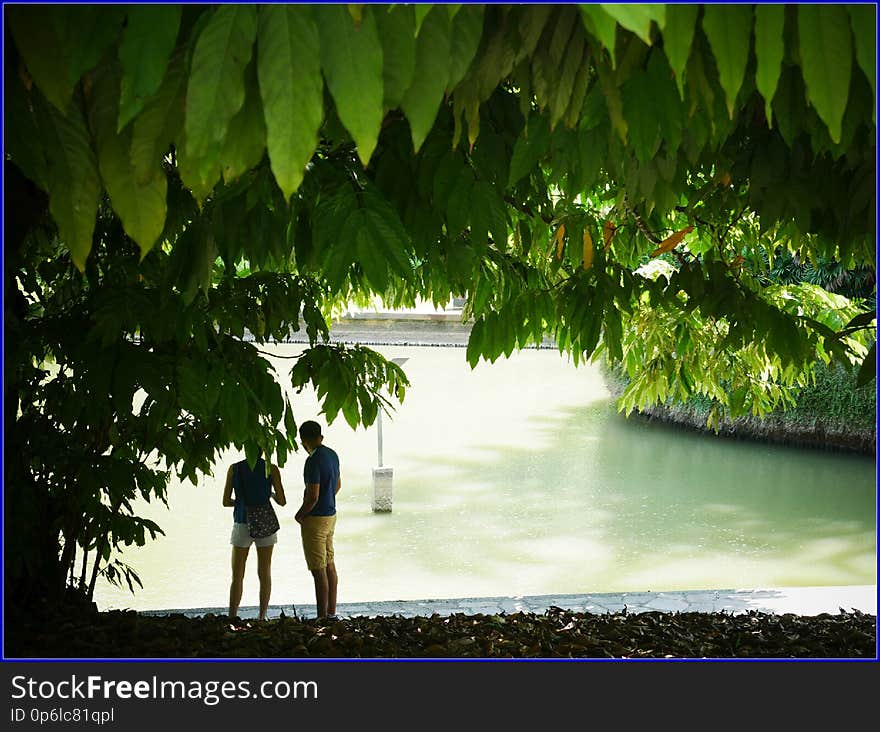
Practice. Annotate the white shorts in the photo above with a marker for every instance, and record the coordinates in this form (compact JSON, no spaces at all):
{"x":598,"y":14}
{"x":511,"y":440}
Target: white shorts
{"x":241,"y":537}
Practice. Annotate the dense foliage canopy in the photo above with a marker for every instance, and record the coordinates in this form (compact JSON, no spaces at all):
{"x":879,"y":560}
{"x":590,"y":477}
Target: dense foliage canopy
{"x":620,"y":177}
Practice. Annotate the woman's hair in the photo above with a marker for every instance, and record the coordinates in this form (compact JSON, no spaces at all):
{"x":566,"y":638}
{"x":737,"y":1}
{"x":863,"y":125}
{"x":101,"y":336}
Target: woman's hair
{"x":309,"y":430}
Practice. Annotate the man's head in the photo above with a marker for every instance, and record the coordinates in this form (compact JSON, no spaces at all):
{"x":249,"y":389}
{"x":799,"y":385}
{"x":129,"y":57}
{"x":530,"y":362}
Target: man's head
{"x":310,"y":435}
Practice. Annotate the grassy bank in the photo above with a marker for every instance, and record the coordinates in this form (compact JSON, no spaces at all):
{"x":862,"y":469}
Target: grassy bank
{"x":830,"y":414}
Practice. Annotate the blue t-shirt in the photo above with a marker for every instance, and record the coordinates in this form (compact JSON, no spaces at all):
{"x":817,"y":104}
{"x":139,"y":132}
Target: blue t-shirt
{"x":322,"y":467}
{"x":250,"y":488}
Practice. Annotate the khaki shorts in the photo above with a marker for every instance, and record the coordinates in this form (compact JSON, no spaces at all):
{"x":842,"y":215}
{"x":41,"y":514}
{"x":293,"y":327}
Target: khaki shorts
{"x":317,"y":540}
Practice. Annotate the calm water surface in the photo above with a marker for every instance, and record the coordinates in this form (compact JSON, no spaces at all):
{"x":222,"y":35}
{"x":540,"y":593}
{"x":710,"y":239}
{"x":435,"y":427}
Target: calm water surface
{"x":520,"y":478}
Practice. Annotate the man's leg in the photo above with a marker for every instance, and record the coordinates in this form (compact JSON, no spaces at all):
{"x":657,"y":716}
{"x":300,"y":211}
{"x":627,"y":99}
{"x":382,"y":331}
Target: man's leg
{"x":332,"y":580}
{"x":321,"y":591}
{"x":239,"y":559}
{"x":264,"y":572}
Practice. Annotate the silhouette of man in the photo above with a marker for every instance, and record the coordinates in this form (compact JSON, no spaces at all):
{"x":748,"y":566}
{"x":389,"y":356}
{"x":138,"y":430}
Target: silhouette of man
{"x":317,"y":515}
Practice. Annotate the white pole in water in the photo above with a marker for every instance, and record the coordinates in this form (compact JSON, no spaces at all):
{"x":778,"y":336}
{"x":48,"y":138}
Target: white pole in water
{"x":379,"y":427}
{"x":383,"y":477}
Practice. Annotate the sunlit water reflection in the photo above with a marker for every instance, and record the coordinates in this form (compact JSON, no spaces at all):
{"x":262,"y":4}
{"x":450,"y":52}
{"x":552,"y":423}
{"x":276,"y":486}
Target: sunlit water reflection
{"x":520,"y":478}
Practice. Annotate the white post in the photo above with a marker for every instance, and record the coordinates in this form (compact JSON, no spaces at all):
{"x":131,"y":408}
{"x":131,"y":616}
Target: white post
{"x":379,"y":427}
{"x":383,"y":478}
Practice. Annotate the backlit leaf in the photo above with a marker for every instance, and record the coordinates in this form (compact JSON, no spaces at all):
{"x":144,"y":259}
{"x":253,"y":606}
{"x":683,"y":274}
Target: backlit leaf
{"x":215,"y":91}
{"x":602,"y":26}
{"x":864,"y":23}
{"x":147,"y":42}
{"x":159,"y":123}
{"x":467,"y":29}
{"x":141,"y":206}
{"x":769,"y":49}
{"x":637,"y":17}
{"x":396,"y":31}
{"x":422,"y":99}
{"x":671,"y":241}
{"x":72,"y":177}
{"x":588,"y":250}
{"x":678,"y":35}
{"x":351,"y":58}
{"x":729,"y":30}
{"x":826,"y":61}
{"x":246,"y":138}
{"x":291,"y":88}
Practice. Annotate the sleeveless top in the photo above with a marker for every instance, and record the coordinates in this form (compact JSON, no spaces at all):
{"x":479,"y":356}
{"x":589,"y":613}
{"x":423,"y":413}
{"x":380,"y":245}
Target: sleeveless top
{"x":249,"y":487}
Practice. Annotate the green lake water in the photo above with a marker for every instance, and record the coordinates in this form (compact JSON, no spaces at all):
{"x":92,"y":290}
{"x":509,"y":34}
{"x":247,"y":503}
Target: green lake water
{"x":521,"y":478}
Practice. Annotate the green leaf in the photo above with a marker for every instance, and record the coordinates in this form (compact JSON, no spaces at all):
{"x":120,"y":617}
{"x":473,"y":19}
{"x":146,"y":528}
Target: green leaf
{"x":422,"y":11}
{"x":487,"y":216}
{"x":864,"y":24}
{"x":422,"y":100}
{"x":39,"y":44}
{"x":246,"y":137}
{"x":729,"y":30}
{"x":574,"y":60}
{"x":602,"y":26}
{"x":141,"y":207}
{"x":532,"y":145}
{"x":72,"y":177}
{"x":637,"y":17}
{"x":289,"y":70}
{"x":678,"y":34}
{"x":352,"y":61}
{"x":769,"y":49}
{"x":467,"y":29}
{"x":397,"y":33}
{"x":24,"y":148}
{"x":868,"y":369}
{"x":826,"y":61}
{"x":59,"y":43}
{"x":159,"y":123}
{"x":457,"y":212}
{"x":216,"y":91}
{"x":147,"y":42}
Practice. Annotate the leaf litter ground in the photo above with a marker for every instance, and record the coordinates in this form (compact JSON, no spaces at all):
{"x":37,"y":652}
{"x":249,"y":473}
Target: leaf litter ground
{"x":557,"y":633}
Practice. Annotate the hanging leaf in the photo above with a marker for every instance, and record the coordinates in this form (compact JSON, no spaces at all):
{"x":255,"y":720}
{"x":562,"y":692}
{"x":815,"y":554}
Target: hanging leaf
{"x":560,"y":240}
{"x":678,"y":35}
{"x":396,"y":31}
{"x":291,"y":88}
{"x":864,"y":23}
{"x":351,"y":58}
{"x":422,"y":100}
{"x":246,"y":137}
{"x":826,"y":61}
{"x":141,"y":207}
{"x":147,"y":42}
{"x":769,"y":49}
{"x":601,"y":26}
{"x":532,"y":145}
{"x":159,"y":123}
{"x":23,"y":147}
{"x":588,"y":250}
{"x":672,"y":241}
{"x":422,"y":11}
{"x":729,"y":30}
{"x":215,"y":91}
{"x":467,"y":29}
{"x":487,"y":216}
{"x":59,"y":43}
{"x":608,"y":231}
{"x":72,"y":177}
{"x":637,"y":17}
{"x":868,"y":369}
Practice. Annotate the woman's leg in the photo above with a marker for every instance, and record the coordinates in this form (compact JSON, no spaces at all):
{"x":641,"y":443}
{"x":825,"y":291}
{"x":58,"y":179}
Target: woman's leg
{"x":264,"y":571}
{"x":239,"y":559}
